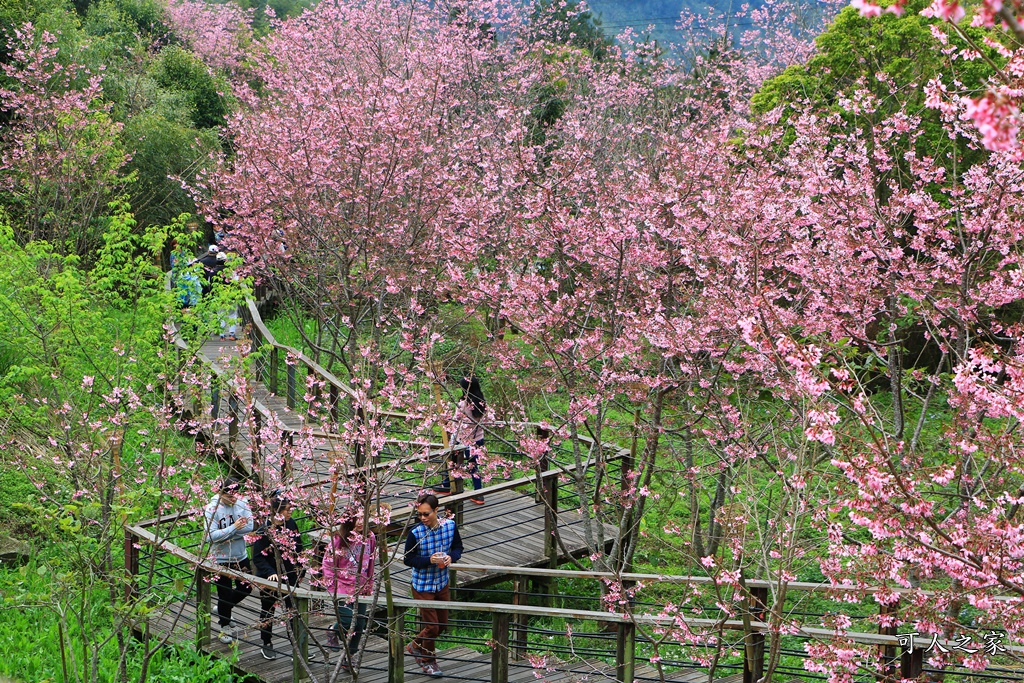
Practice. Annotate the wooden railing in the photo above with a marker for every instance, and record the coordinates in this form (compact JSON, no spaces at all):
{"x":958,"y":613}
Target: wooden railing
{"x":268,"y":369}
{"x":510,"y":622}
{"x":301,"y":371}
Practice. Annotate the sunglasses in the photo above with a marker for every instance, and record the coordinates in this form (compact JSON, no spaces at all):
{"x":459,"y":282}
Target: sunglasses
{"x":424,"y":514}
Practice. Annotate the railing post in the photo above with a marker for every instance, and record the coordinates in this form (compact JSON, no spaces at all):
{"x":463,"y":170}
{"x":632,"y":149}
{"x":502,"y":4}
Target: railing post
{"x":542,"y":467}
{"x":255,"y":447}
{"x":551,"y":520}
{"x":888,"y":652}
{"x":256,"y":341}
{"x":753,"y":653}
{"x":912,"y":663}
{"x":289,"y":385}
{"x":131,"y":564}
{"x":458,"y":483}
{"x":301,"y":634}
{"x":626,"y":464}
{"x":499,"y":647}
{"x":519,"y":621}
{"x":547,"y":495}
{"x":275,"y":364}
{"x":313,"y":386}
{"x":333,"y":393}
{"x":625,"y":652}
{"x":357,"y":450}
{"x":214,"y":396}
{"x":396,"y":646}
{"x":286,"y":459}
{"x":232,"y":424}
{"x":203,"y":604}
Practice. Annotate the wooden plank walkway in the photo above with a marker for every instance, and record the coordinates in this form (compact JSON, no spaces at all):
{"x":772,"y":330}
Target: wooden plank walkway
{"x":508,"y":530}
{"x":458,"y":662}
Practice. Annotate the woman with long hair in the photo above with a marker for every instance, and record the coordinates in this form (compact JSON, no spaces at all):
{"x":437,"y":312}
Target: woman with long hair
{"x":347,"y":566}
{"x":468,"y":431}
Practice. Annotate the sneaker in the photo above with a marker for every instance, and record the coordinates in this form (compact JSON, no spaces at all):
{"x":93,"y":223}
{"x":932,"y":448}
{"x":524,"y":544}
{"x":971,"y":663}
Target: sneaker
{"x":268,"y":652}
{"x":226,"y":635}
{"x":432,"y":669}
{"x":416,"y":653}
{"x":232,"y":337}
{"x":479,"y":500}
{"x":332,"y":640}
{"x":221,"y":337}
{"x":443,"y":490}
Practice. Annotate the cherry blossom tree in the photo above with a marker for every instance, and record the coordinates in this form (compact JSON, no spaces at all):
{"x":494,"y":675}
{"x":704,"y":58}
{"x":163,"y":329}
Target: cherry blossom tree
{"x":220,"y":33}
{"x":60,"y":157}
{"x":732,"y":296}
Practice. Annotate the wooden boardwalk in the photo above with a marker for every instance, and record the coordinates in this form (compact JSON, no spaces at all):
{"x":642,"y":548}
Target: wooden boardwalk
{"x":508,"y":530}
{"x":457,"y":661}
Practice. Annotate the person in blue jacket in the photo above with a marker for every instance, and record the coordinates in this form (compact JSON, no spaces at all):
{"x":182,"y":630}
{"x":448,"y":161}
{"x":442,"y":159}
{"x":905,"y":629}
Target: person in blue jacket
{"x":430,"y":548}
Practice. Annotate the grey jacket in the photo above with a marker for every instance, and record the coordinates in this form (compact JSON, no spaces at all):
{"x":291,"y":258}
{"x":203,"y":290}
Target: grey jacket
{"x":227,"y":544}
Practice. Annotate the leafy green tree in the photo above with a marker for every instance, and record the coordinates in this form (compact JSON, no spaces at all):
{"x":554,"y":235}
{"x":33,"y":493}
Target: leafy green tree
{"x":165,"y":151}
{"x":890,"y":59}
{"x":281,"y":9}
{"x":180,"y":71}
{"x":84,"y":414}
{"x":122,"y":270}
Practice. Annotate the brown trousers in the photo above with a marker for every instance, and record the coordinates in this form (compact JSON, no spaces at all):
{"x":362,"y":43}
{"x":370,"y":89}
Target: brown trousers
{"x":435,"y":621}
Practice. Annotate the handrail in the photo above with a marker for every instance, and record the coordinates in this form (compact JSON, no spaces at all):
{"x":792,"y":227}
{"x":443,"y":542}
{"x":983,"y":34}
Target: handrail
{"x":268,"y":336}
{"x":397,"y":517}
{"x":141,"y":529}
{"x":653,"y":620}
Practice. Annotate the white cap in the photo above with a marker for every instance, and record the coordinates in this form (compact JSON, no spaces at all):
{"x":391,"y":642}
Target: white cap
{"x":214,"y":249}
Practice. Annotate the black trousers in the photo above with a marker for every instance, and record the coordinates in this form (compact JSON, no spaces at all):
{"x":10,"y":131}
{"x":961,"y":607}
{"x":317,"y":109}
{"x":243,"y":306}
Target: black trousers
{"x":231,"y":591}
{"x":268,"y":600}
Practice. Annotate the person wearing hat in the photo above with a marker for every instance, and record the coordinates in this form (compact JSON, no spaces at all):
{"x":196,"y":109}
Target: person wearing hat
{"x":213,"y":262}
{"x":228,"y":520}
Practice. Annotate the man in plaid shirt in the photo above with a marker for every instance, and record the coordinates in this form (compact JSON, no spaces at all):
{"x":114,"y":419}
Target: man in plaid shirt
{"x":431,"y":546}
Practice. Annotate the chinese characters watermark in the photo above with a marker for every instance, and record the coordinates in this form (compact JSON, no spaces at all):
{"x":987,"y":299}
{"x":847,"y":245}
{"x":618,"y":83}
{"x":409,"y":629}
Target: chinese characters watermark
{"x":991,"y":643}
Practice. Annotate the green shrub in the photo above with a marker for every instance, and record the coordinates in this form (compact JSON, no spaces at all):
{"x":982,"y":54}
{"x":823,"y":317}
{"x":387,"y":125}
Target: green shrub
{"x":180,"y":71}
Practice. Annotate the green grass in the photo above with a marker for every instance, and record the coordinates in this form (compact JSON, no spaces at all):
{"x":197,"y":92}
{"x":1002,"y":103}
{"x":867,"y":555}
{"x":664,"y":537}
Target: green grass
{"x":29,"y":638}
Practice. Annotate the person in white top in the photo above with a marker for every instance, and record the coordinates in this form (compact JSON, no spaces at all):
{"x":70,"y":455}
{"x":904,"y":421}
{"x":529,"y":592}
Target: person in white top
{"x":228,"y":520}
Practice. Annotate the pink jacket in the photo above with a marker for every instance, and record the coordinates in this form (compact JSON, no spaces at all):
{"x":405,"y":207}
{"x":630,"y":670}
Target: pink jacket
{"x":465,"y":429}
{"x":341,"y":567}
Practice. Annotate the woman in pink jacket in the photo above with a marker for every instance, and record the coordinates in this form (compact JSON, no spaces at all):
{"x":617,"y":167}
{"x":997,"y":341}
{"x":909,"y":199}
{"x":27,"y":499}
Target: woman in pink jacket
{"x":347,"y":572}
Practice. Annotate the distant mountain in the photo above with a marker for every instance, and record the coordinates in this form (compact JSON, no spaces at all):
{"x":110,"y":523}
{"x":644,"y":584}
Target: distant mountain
{"x":663,"y":15}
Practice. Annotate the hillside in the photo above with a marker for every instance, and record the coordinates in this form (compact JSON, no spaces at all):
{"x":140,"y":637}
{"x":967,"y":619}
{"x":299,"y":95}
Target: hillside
{"x":663,"y":15}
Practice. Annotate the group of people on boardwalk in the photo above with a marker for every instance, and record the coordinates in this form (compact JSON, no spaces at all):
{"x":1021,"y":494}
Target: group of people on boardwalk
{"x":346,"y":570}
{"x":347,"y":563}
{"x":189,"y":286}
{"x":346,"y":567}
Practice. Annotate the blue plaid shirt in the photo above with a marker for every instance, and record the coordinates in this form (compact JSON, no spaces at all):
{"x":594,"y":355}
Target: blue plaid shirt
{"x":421,"y":543}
